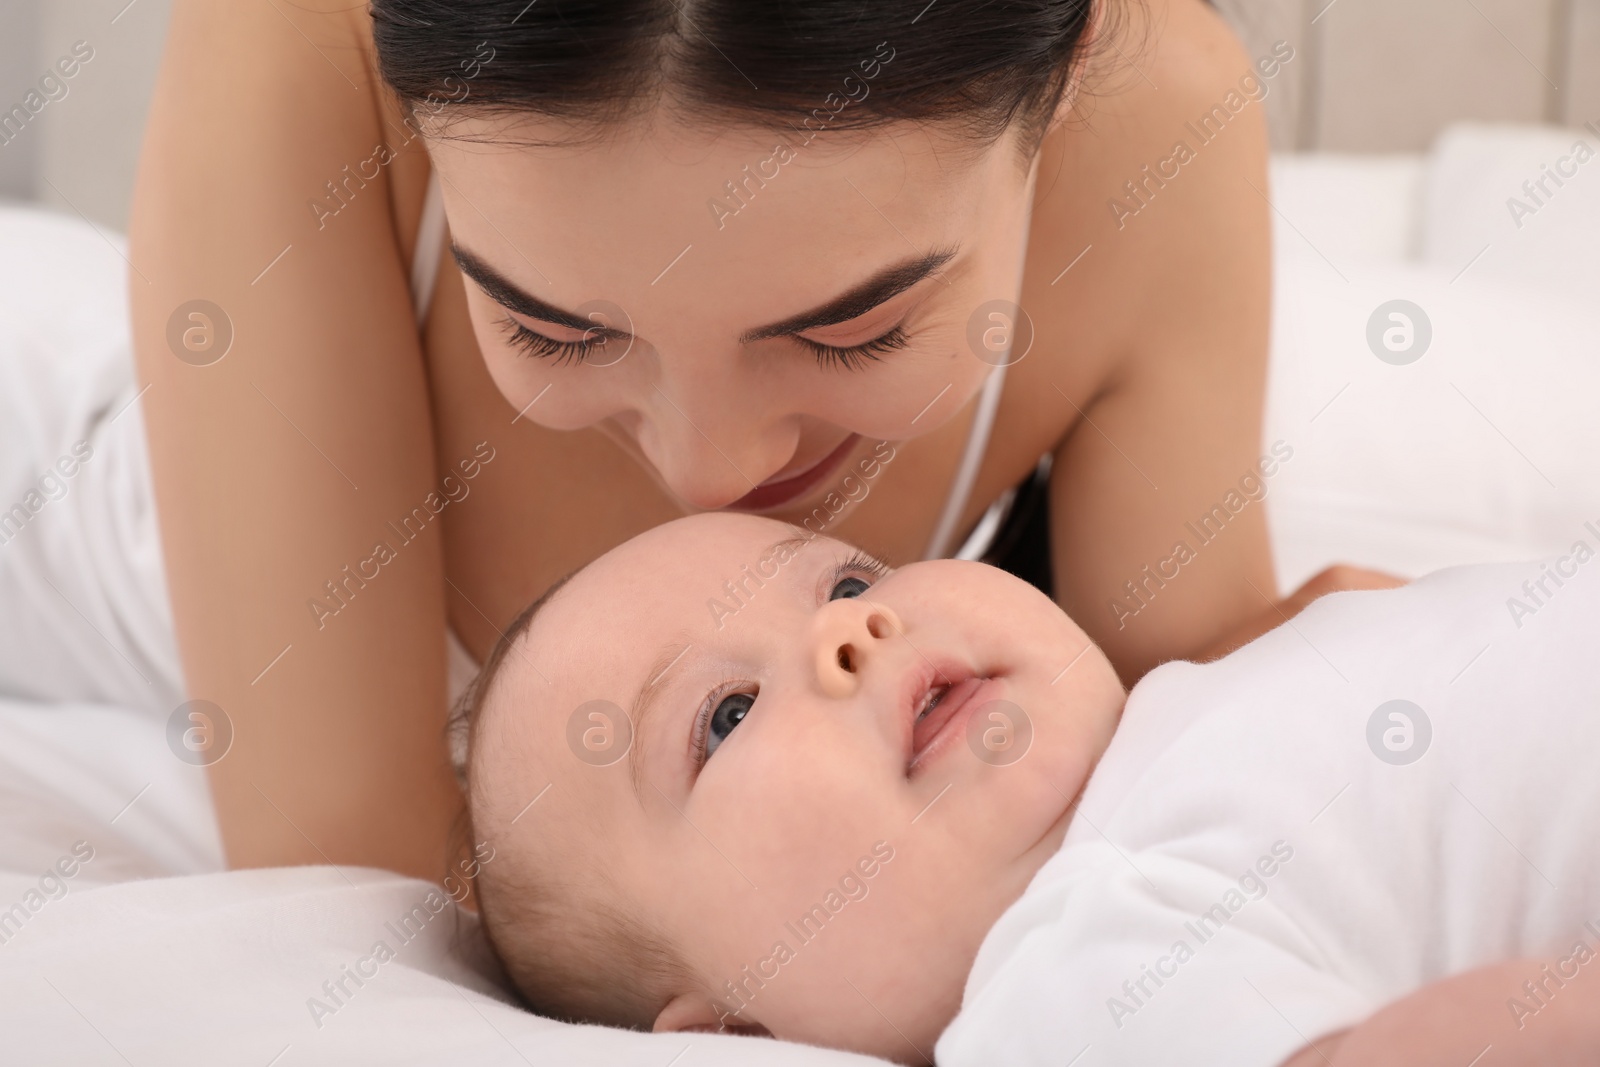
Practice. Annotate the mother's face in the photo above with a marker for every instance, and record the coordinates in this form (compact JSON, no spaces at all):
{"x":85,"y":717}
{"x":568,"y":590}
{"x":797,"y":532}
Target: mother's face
{"x":728,"y":284}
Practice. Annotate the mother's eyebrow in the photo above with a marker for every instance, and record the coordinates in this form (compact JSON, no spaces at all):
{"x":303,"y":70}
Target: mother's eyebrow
{"x":884,"y":285}
{"x":509,"y":295}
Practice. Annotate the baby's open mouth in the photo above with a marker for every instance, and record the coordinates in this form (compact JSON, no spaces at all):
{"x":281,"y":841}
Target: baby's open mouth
{"x":939,"y":706}
{"x":930,"y":700}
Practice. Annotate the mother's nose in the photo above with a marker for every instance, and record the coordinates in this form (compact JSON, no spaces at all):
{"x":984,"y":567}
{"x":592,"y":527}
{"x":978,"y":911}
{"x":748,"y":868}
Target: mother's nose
{"x":710,"y":463}
{"x":846,"y":636}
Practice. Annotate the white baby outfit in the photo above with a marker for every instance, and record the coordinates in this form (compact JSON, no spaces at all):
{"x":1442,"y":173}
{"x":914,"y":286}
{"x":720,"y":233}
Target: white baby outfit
{"x":1270,"y":850}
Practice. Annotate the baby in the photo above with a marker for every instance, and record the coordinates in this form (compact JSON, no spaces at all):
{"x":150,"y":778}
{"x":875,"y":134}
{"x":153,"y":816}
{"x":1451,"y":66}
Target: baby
{"x":744,"y":778}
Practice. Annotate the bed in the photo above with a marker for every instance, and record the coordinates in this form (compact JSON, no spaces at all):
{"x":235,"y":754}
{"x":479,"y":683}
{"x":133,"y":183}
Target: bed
{"x":1483,"y":446}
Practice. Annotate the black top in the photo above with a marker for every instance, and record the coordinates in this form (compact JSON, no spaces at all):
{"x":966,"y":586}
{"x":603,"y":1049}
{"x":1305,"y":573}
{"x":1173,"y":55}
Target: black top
{"x":1022,"y":544}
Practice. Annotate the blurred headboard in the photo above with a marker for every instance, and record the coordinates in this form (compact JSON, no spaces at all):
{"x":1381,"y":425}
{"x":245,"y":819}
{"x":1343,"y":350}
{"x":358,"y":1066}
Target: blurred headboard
{"x":1386,"y":75}
{"x":1370,"y":76}
{"x":79,"y":152}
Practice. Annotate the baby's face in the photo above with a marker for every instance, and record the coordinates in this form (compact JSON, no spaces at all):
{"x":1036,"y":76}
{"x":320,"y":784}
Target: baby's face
{"x":825,"y":856}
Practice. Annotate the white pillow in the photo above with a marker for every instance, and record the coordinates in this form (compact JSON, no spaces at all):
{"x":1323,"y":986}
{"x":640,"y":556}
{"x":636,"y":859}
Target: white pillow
{"x":43,"y":247}
{"x":1363,"y":208}
{"x":1483,"y":449}
{"x":1483,"y":192}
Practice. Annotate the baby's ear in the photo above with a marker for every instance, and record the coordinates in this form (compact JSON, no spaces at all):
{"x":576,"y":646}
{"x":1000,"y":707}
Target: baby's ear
{"x":694,"y":1011}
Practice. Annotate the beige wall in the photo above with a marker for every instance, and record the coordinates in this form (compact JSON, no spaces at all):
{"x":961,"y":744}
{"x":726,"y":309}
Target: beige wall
{"x":90,"y":143}
{"x":1581,"y":62}
{"x":1385,"y":75}
{"x":19,"y":28}
{"x":79,"y":152}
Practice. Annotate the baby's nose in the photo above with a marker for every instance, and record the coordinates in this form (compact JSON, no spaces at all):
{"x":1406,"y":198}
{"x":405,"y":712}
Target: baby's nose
{"x":847,"y":634}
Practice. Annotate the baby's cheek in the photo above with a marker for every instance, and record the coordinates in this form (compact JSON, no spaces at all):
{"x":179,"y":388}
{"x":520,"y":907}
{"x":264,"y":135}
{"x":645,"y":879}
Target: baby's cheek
{"x":790,"y":829}
{"x":778,"y":816}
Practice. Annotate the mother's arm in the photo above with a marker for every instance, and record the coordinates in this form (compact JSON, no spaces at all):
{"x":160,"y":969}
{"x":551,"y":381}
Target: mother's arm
{"x":1159,"y":520}
{"x":1482,"y":1018}
{"x":277,"y":468}
{"x":1159,"y":531}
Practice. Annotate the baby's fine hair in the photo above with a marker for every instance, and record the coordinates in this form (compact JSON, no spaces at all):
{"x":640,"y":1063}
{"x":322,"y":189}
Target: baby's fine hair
{"x":568,"y":946}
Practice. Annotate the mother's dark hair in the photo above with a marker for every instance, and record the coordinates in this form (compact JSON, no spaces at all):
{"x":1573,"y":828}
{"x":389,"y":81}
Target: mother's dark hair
{"x":976,"y":65}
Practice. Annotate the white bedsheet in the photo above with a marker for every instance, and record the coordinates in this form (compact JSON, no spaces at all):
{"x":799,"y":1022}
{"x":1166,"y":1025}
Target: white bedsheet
{"x":225,"y":969}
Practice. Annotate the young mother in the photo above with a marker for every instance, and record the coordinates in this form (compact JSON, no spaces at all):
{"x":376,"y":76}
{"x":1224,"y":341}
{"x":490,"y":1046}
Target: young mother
{"x":748,"y":255}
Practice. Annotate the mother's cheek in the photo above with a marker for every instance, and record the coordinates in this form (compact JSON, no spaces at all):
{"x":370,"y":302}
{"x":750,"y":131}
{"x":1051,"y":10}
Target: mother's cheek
{"x":936,"y":394}
{"x":555,"y":397}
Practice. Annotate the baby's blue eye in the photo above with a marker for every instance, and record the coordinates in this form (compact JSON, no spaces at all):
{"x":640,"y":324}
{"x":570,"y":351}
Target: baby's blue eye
{"x":848,"y":587}
{"x":728,"y":714}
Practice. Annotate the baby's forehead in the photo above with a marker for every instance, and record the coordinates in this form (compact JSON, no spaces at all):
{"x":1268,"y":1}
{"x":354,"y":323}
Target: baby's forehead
{"x":662,"y":571}
{"x":610,"y":620}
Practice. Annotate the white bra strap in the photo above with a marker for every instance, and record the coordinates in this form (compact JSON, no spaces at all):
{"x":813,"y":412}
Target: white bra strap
{"x":981,"y":539}
{"x":430,"y":242}
{"x":971,"y":460}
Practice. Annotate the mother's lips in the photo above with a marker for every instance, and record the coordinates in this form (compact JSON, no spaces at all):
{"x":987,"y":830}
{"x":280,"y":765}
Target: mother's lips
{"x":773,"y":494}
